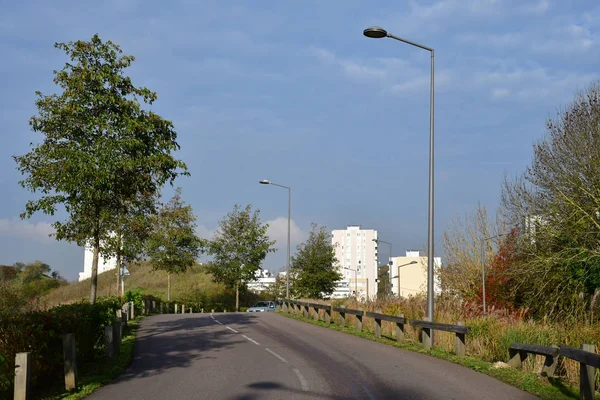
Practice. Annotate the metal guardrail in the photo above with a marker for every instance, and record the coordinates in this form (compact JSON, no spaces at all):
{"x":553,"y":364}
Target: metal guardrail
{"x":298,"y":307}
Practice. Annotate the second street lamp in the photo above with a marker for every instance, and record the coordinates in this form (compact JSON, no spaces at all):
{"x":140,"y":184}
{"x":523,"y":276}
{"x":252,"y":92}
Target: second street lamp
{"x":287,"y":268}
{"x":377,"y":33}
{"x":398,"y":276}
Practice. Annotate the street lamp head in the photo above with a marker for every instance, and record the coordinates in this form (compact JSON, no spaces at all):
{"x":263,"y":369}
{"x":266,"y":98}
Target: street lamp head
{"x":265,"y":182}
{"x":375,"y":32}
{"x":375,"y":240}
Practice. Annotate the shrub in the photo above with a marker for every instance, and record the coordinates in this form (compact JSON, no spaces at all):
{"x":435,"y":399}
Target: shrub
{"x":40,"y":332}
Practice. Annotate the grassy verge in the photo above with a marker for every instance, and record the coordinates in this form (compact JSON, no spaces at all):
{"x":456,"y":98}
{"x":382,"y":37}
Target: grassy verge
{"x":546,"y":389}
{"x":94,"y":375}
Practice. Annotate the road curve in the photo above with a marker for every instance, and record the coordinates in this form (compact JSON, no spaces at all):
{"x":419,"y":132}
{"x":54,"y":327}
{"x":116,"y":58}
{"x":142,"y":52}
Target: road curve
{"x":243,"y":356}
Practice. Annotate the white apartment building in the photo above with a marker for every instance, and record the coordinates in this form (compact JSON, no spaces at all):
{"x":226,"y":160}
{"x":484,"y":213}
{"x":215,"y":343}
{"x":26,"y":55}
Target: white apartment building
{"x":103,"y":264}
{"x":409,"y":273}
{"x":356,"y":252}
{"x":264,"y":280}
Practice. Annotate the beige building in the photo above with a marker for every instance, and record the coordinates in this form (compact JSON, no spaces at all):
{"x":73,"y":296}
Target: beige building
{"x":409,"y":273}
{"x":356,"y":252}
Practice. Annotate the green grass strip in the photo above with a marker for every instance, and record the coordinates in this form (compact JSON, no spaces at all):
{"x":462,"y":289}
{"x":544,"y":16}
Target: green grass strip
{"x":94,"y":376}
{"x":545,"y":389}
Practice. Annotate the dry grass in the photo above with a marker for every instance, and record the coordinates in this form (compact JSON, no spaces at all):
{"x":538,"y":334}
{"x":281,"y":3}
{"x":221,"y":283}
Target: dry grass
{"x":193,"y":286}
{"x":490,"y":337}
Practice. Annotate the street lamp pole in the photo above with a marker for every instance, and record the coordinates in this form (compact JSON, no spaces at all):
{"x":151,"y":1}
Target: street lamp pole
{"x":403,"y":265}
{"x":483,"y":240}
{"x":377,"y":32}
{"x":287,"y":269}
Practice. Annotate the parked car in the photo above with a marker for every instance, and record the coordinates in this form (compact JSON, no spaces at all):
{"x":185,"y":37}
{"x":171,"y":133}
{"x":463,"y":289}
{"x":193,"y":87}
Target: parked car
{"x":262,"y":306}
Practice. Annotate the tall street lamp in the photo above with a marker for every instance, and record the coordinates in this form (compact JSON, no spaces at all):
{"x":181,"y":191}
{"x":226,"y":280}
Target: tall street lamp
{"x":355,"y":280}
{"x":377,"y":33}
{"x":287,"y":268}
{"x":398,"y":276}
{"x":383,"y":241}
{"x":483,"y":240}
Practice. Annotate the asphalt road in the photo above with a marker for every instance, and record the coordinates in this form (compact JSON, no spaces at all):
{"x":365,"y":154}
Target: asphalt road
{"x":248,"y":356}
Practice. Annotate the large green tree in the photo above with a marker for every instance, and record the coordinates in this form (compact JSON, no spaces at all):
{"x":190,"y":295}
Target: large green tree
{"x":314,"y":265}
{"x":239,"y":247}
{"x":100,"y":150}
{"x":556,"y":205}
{"x":172,"y":245}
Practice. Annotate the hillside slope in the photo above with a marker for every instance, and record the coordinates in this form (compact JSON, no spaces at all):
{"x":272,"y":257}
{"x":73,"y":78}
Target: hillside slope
{"x":195,"y":286}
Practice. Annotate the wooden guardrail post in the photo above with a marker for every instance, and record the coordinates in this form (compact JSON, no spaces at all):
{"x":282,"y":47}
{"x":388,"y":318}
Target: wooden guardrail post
{"x":153,"y":305}
{"x":131,"y":310}
{"x":183,"y":308}
{"x":22,"y":376}
{"x":305,"y":311}
{"x":587,"y":376}
{"x":70,"y":358}
{"x":342,"y":318}
{"x":377,"y":325}
{"x":400,"y":330}
{"x":109,"y":341}
{"x":175,"y":308}
{"x":426,"y":335}
{"x":460,"y":342}
{"x":283,"y":306}
{"x":316,"y":313}
{"x":118,"y":335}
{"x":359,"y":318}
{"x":328,"y":315}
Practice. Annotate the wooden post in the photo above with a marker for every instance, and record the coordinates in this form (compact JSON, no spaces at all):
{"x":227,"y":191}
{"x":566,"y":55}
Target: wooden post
{"x":70,"y":358}
{"x":305,"y":311}
{"x":183,"y":308}
{"x":117,"y":336}
{"x":161,"y":308}
{"x":587,"y":376}
{"x":284,"y":307}
{"x":328,"y":316}
{"x":459,"y":342}
{"x":109,"y":341}
{"x":175,"y":308}
{"x":378,"y":325}
{"x":153,"y":305}
{"x":359,"y":320}
{"x":132,"y":309}
{"x":316,"y":313}
{"x":22,"y":376}
{"x":202,"y":310}
{"x":342,"y":319}
{"x":550,"y":364}
{"x":400,"y":330}
{"x":426,"y":335}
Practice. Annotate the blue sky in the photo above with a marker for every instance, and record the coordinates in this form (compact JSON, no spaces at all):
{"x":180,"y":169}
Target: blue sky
{"x":294,"y":93}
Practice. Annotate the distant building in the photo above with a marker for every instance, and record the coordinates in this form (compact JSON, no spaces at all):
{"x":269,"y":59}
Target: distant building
{"x":265,"y":279}
{"x":356,"y":252}
{"x":104,"y":264}
{"x":409,"y":273}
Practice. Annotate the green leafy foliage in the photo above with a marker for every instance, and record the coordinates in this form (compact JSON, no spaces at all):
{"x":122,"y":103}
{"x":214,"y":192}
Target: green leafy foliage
{"x":239,"y":247}
{"x":314,"y":265}
{"x":40,"y":332}
{"x":102,"y":158}
{"x":172,"y":245}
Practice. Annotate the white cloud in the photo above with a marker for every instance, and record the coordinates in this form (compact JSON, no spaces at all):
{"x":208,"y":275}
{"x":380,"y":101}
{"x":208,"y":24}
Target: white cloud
{"x":203,"y":232}
{"x":278,"y":229}
{"x":26,"y":230}
{"x":499,"y":93}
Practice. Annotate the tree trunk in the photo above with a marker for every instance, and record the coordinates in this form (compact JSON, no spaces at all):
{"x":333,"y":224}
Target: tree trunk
{"x":94,"y":287}
{"x":168,"y":287}
{"x":237,"y":297}
{"x":118,"y":272}
{"x":119,"y":252}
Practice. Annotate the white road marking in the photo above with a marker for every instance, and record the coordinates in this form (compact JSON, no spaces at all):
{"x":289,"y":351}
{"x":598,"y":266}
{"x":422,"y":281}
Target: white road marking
{"x":212,"y":316}
{"x":218,"y":322}
{"x":252,"y":340}
{"x":302,"y":380}
{"x":232,"y":330}
{"x":276,"y":355}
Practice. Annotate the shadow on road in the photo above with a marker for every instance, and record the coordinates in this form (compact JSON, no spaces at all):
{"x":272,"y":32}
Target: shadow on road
{"x":175,"y":341}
